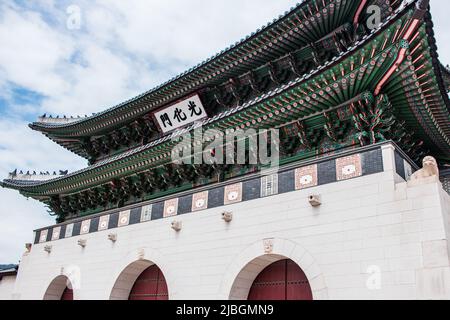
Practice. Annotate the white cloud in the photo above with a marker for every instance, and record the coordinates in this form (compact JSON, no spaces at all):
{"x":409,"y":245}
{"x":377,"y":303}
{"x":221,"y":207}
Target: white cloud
{"x":31,"y":51}
{"x":19,"y":218}
{"x":439,"y":11}
{"x":24,"y":149}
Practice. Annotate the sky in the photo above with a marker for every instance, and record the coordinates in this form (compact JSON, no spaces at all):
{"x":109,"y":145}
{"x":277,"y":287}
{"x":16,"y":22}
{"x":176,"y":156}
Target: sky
{"x":80,"y":57}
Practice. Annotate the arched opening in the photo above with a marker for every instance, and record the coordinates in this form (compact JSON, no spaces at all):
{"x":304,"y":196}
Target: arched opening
{"x":59,"y":289}
{"x":271,"y":277}
{"x":150,"y":285}
{"x":141,"y":280}
{"x":282,"y":280}
{"x":67,"y":294}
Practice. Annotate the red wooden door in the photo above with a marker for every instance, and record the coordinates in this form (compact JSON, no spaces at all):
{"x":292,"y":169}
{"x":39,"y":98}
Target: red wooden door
{"x":150,"y":285}
{"x":67,"y":294}
{"x":282,"y":280}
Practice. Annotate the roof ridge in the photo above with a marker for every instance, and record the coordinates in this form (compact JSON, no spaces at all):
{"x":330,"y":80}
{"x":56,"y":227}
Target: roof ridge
{"x":35,"y":176}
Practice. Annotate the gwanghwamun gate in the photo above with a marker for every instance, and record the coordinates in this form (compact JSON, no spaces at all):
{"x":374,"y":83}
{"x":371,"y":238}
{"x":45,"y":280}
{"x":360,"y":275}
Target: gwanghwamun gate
{"x":347,"y":97}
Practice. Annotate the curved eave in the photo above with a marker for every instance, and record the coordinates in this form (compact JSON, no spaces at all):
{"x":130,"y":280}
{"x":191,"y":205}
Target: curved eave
{"x":110,"y":117}
{"x":433,"y":127}
{"x":442,"y":73}
{"x":441,"y":79}
{"x":446,"y":77}
{"x":23,"y":186}
{"x":70,"y":144}
{"x":129,"y":158}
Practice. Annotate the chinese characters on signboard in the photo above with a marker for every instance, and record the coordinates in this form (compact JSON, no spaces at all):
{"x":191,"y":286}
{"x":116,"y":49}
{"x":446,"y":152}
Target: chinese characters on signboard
{"x":180,"y":114}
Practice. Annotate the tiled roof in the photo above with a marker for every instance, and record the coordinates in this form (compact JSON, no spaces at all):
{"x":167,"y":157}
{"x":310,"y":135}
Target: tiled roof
{"x":8,"y":268}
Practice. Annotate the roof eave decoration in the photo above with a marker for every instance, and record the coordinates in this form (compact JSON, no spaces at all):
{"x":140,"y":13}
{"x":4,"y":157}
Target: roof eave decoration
{"x":446,"y":76}
{"x":426,"y":107}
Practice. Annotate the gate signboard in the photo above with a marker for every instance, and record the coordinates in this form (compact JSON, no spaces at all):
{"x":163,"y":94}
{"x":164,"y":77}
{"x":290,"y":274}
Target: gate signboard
{"x":180,"y":114}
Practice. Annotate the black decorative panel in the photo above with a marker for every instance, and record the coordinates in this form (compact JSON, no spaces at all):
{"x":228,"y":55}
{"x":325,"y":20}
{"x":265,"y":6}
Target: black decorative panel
{"x":251,"y":189}
{"x":94,"y":224}
{"x":62,"y":233}
{"x":135,"y":215}
{"x":49,"y":234}
{"x":215,"y":198}
{"x":158,"y":210}
{"x":400,"y":165}
{"x":185,"y":204}
{"x":326,"y":172}
{"x":113,"y":220}
{"x":76,"y":229}
{"x":37,"y":237}
{"x":286,"y":181}
{"x":372,"y":162}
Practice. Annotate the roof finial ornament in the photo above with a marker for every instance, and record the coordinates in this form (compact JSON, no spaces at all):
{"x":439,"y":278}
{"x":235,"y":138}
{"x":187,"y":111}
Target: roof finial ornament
{"x":13,"y":174}
{"x":421,"y":8}
{"x":429,"y":169}
{"x":422,"y":4}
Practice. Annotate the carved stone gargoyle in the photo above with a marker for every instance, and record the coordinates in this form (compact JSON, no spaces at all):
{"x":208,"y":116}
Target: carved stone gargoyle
{"x":428,"y":173}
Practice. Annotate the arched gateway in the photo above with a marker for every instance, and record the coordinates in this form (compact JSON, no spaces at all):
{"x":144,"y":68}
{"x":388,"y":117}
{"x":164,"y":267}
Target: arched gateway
{"x":274,"y":269}
{"x":140,"y":280}
{"x":67,"y":294}
{"x":59,"y":289}
{"x":150,"y":285}
{"x":282,"y":280}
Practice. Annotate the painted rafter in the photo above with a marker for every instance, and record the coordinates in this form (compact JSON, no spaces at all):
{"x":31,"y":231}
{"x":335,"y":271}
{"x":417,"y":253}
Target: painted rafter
{"x":417,"y":95}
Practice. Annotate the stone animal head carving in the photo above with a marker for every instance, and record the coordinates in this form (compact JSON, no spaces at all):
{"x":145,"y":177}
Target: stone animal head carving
{"x":268,"y":246}
{"x":227,"y":216}
{"x":429,"y":169}
{"x":430,"y":164}
{"x":177,"y":226}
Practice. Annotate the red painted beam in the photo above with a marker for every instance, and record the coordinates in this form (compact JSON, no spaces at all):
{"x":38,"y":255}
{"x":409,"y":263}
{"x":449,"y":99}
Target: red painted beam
{"x":359,"y":11}
{"x":421,"y":9}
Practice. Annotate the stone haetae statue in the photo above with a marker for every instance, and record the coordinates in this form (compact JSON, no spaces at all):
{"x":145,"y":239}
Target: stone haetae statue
{"x":429,"y":169}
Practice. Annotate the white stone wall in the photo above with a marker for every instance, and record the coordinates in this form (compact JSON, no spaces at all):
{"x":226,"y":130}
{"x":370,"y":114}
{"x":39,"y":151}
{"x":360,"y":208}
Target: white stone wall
{"x":7,"y":287}
{"x":364,"y":225}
